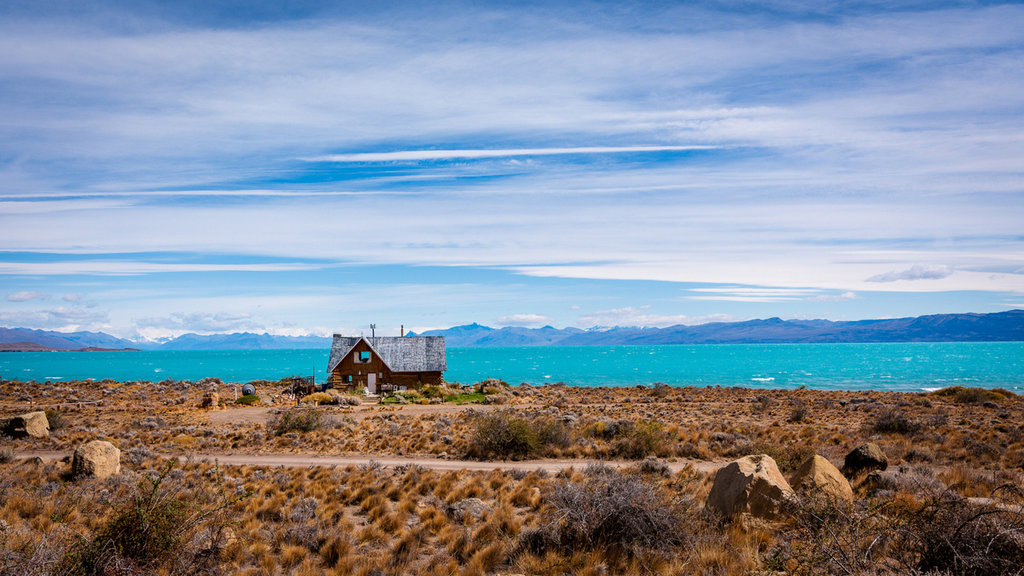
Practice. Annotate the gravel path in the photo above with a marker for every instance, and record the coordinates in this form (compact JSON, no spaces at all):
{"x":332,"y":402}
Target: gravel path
{"x":307,"y":460}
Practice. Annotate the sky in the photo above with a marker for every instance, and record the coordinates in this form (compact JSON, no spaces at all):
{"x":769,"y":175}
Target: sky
{"x":313,"y":167}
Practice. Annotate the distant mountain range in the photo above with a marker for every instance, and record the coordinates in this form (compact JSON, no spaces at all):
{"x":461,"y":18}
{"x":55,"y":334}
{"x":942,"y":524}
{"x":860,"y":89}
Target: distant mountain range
{"x":995,"y":327}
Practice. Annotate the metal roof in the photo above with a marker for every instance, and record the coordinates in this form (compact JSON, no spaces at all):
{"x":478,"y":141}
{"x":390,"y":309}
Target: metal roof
{"x":400,"y":354}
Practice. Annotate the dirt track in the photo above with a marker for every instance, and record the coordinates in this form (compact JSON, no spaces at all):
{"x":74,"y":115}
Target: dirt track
{"x":306,"y":460}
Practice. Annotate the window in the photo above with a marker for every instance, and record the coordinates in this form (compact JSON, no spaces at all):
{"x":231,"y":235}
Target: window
{"x":364,"y":357}
{"x":347,"y":379}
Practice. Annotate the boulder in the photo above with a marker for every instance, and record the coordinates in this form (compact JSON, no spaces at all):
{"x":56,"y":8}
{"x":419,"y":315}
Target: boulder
{"x":98,"y":458}
{"x":32,"y":425}
{"x":751,"y":485}
{"x":865,"y":458}
{"x":818,"y":476}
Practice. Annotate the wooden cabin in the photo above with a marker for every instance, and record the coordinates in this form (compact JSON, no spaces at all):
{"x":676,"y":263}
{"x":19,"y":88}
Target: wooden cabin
{"x":385,"y":363}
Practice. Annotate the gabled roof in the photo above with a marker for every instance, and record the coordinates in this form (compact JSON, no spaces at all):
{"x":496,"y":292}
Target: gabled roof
{"x":400,"y":354}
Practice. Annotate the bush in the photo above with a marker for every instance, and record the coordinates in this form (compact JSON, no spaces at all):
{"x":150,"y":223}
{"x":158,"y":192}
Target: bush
{"x":150,"y":533}
{"x":6,"y":454}
{"x":55,"y":418}
{"x":642,"y":440}
{"x":296,"y":421}
{"x":319,"y":398}
{"x":432,"y":391}
{"x":610,"y":511}
{"x":892,"y":421}
{"x":964,"y":395}
{"x":248,"y":400}
{"x":502,"y":434}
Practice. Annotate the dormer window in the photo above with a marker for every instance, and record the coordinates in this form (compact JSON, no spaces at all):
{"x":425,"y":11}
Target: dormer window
{"x":363,"y":357}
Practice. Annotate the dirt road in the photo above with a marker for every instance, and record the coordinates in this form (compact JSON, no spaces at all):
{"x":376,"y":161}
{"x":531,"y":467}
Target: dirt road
{"x":307,"y":460}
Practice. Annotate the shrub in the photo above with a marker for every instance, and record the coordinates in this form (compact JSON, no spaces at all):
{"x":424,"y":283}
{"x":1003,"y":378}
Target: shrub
{"x":296,"y":421}
{"x":319,"y":398}
{"x":892,"y":421}
{"x":610,"y":511}
{"x":152,"y":530}
{"x":55,"y":418}
{"x":642,"y":440}
{"x":6,"y":454}
{"x":248,"y":400}
{"x":502,"y":434}
{"x":964,"y":395}
{"x":432,"y":391}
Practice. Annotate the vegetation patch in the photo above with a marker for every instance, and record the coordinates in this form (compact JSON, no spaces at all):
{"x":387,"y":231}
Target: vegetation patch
{"x":248,"y":400}
{"x":965,"y":395}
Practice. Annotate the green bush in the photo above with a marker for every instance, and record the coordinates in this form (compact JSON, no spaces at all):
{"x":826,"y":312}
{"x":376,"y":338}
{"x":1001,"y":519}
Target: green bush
{"x":248,"y":400}
{"x":432,"y":391}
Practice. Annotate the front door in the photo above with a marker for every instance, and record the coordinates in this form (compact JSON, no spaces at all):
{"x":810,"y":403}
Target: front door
{"x":371,"y":383}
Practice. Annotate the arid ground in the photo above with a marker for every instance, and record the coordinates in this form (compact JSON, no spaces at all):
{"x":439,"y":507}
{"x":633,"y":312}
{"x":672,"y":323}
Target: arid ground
{"x":494,"y":479}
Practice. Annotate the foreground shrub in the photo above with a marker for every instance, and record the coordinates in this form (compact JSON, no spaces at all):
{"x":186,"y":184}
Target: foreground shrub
{"x":150,"y":533}
{"x":620,"y":514}
{"x":502,"y":434}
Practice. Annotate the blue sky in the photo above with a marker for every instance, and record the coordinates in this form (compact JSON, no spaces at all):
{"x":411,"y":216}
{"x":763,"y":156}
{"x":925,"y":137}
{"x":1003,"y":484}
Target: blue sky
{"x":312,"y":167}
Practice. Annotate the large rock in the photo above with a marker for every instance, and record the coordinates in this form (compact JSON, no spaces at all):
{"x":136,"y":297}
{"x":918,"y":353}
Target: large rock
{"x":751,"y":485}
{"x":865,"y":459}
{"x":818,"y":476}
{"x":211,"y":400}
{"x":98,"y":458}
{"x":32,"y":424}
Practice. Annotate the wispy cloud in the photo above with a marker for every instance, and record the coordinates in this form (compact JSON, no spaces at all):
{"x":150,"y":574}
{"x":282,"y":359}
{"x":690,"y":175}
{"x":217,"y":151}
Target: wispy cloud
{"x":415,"y":155}
{"x":27,"y":296}
{"x":525,"y":320}
{"x":915,"y":272}
{"x":643,"y":316}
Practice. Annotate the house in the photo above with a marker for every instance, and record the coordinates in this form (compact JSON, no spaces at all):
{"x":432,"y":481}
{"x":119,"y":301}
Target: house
{"x":385,"y":363}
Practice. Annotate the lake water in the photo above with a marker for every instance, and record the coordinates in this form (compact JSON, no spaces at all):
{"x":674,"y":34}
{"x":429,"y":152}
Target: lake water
{"x":898,"y":367}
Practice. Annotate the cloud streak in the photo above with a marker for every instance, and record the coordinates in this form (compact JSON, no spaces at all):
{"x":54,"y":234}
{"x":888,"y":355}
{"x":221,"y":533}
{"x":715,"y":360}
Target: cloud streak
{"x":419,"y":155}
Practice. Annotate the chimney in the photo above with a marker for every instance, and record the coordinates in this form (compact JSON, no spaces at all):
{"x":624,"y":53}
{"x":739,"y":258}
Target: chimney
{"x":402,"y":333}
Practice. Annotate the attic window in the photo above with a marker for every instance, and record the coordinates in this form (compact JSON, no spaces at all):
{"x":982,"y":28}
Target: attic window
{"x":364,"y":357}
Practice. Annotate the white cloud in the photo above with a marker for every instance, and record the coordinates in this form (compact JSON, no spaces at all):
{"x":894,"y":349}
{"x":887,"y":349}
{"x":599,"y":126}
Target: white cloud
{"x":524,"y":320}
{"x":27,"y":296}
{"x":199,"y":322}
{"x":915,"y":272}
{"x":641,"y":316}
{"x":844,"y":297}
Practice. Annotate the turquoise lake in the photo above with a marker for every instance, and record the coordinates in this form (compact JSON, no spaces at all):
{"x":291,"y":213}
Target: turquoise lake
{"x":898,"y":367}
